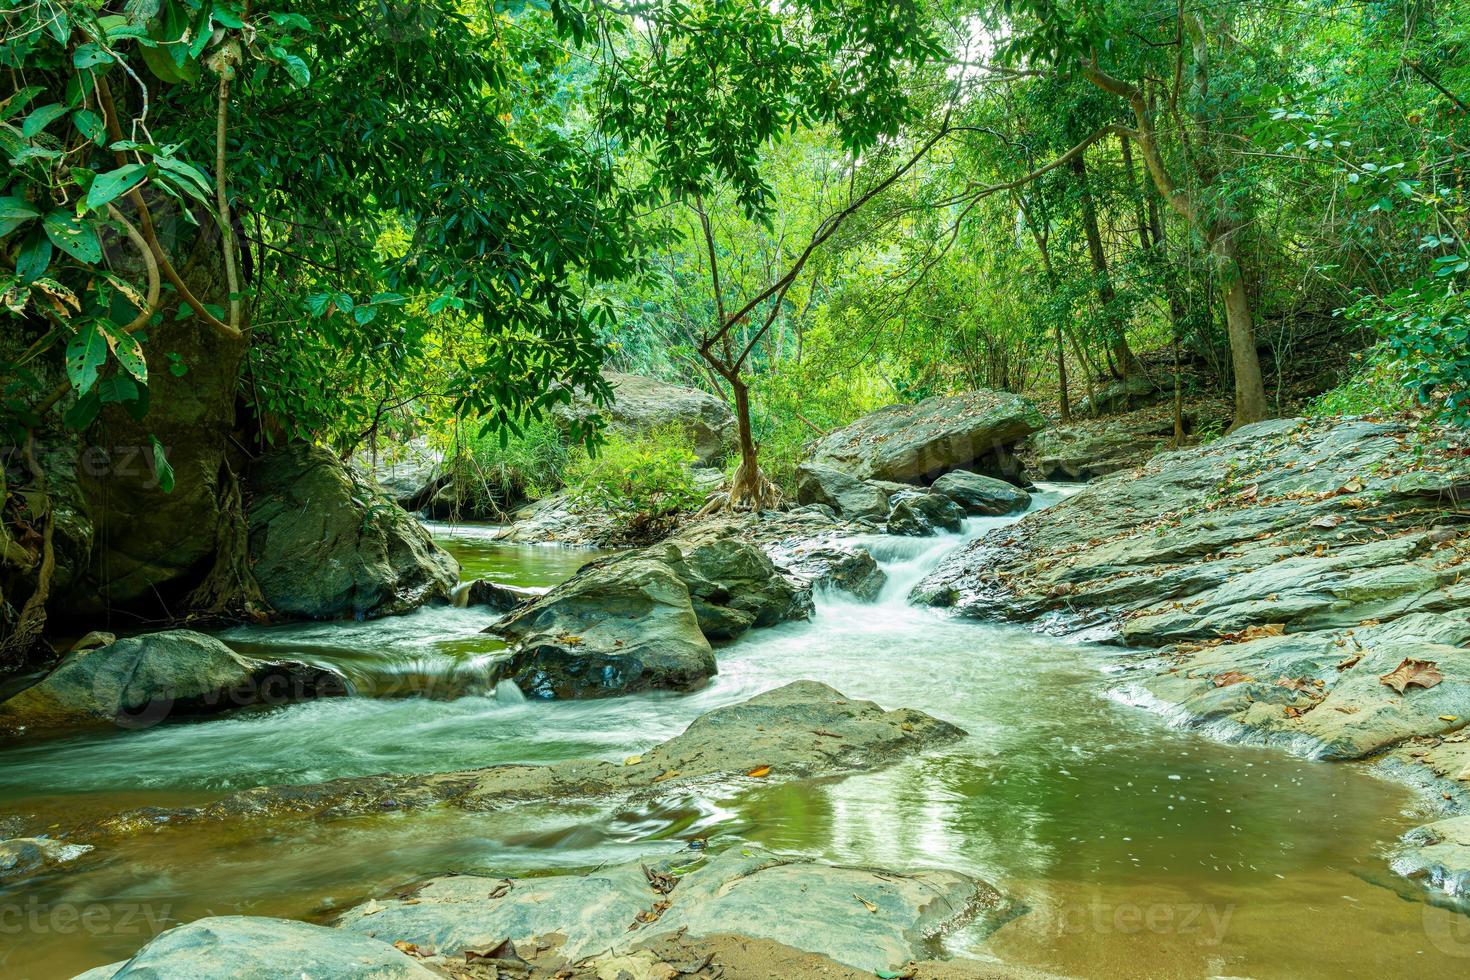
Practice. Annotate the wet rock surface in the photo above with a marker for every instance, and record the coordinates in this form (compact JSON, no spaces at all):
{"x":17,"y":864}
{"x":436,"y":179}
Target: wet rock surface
{"x":981,"y":495}
{"x":802,"y":730}
{"x":906,"y":443}
{"x":242,"y":947}
{"x":920,"y":513}
{"x":326,"y":543}
{"x":871,"y":919}
{"x":616,"y":627}
{"x":142,"y":680}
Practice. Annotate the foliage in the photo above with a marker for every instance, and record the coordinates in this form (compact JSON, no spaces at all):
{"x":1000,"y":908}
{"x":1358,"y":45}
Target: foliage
{"x":1375,"y":388}
{"x":381,"y":180}
{"x":491,"y":476}
{"x":644,"y":481}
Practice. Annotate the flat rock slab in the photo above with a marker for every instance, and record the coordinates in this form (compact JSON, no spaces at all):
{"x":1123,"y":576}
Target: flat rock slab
{"x":865,"y":918}
{"x":802,"y":730}
{"x":1320,"y":692}
{"x":1438,"y":855}
{"x":242,"y":947}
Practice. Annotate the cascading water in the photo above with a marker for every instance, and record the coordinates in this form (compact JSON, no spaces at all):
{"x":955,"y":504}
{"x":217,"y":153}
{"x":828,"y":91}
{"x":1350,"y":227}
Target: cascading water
{"x":1137,"y":849}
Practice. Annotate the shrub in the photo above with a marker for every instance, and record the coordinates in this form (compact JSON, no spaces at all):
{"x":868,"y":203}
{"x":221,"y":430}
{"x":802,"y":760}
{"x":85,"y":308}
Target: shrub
{"x":1377,"y":387}
{"x":490,"y":478}
{"x":644,"y":482}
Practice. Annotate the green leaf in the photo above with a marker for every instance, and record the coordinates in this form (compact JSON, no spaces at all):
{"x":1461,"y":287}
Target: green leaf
{"x":192,"y":174}
{"x":76,"y":239}
{"x":34,"y":257}
{"x":17,"y":207}
{"x":19,"y":101}
{"x":161,"y":470}
{"x":41,"y":118}
{"x":85,"y":355}
{"x":90,"y":56}
{"x":127,"y":350}
{"x":110,"y":186}
{"x":90,"y":125}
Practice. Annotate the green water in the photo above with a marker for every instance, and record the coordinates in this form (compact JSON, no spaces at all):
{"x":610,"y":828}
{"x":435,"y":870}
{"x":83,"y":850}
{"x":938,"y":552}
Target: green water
{"x":1137,"y":849}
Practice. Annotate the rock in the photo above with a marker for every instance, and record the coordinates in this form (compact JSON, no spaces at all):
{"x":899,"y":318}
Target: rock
{"x":918,"y":513}
{"x":748,"y":891}
{"x":717,"y":749}
{"x":325,"y":543}
{"x":617,"y":626}
{"x":907,"y":443}
{"x":501,"y":598}
{"x":833,"y":565}
{"x":1088,"y":449}
{"x":562,"y":519}
{"x":642,"y":404}
{"x":243,"y":947}
{"x":411,"y":473}
{"x":23,"y":856}
{"x":1319,"y":692}
{"x":732,"y":585}
{"x":1280,"y":522}
{"x":643,"y":620}
{"x":140,"y":681}
{"x":1438,"y":855}
{"x":982,"y":495}
{"x":1133,"y":392}
{"x":848,"y":496}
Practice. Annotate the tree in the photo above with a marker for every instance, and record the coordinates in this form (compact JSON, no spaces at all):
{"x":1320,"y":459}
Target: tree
{"x":703,"y":90}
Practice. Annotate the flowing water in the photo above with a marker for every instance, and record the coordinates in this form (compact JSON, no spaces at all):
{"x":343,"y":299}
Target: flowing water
{"x":1137,"y":850}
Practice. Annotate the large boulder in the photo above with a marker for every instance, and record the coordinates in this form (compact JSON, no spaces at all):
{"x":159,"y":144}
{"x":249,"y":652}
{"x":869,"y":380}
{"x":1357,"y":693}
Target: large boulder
{"x":870,"y":919}
{"x":919,"y":513}
{"x":243,"y":947}
{"x":848,"y":496}
{"x":981,"y":495}
{"x":641,"y":404}
{"x":910,"y":443}
{"x":326,"y":543}
{"x":616,"y":627}
{"x":139,"y":681}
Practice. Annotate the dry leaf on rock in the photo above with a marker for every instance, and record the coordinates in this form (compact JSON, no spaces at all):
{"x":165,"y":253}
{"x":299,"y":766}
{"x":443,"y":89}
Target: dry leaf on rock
{"x":1412,"y":673}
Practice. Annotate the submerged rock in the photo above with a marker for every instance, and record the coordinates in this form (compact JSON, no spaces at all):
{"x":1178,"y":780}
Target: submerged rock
{"x":642,"y":404}
{"x":23,"y":856}
{"x":804,"y":730}
{"x":870,"y":919}
{"x":982,"y":495}
{"x":917,"y":513}
{"x":244,"y":947}
{"x":906,"y":443}
{"x":325,"y":543}
{"x":140,"y":681}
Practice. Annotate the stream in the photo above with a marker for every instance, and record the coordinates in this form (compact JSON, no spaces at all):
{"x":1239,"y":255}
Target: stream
{"x":1137,"y":850}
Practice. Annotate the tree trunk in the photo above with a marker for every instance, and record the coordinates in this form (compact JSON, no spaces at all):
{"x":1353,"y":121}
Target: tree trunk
{"x":1120,"y":352}
{"x":1250,"y":390}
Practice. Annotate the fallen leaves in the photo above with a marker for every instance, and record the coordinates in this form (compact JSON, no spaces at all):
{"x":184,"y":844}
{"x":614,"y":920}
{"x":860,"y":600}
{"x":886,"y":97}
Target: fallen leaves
{"x":632,"y":760}
{"x":1231,"y":677}
{"x":866,"y":904}
{"x":502,"y":955}
{"x":1350,"y":661}
{"x":1412,"y":673}
{"x":759,"y":772}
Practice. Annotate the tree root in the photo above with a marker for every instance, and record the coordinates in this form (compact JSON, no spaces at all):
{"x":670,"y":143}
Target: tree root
{"x":16,"y":649}
{"x":230,"y":587}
